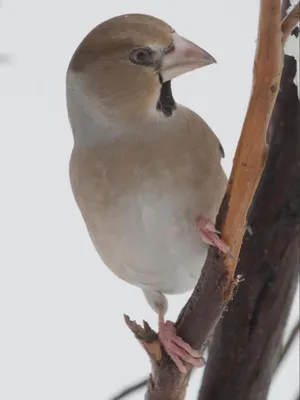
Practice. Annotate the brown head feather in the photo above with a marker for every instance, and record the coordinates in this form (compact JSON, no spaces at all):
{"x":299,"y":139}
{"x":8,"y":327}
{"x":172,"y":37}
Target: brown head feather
{"x":102,"y":63}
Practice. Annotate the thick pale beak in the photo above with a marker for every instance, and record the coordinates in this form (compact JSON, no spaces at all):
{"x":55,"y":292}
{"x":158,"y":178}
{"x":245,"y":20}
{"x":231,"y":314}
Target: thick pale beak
{"x":184,"y":57}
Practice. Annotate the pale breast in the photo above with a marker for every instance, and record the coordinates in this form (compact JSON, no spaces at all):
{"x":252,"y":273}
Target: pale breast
{"x":140,"y":201}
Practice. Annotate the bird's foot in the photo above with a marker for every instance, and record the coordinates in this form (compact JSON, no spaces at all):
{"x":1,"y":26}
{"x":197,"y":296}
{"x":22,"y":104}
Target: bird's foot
{"x":210,"y":234}
{"x":179,"y":351}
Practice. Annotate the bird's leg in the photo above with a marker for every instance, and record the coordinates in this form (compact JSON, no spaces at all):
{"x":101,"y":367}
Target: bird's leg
{"x":210,"y":235}
{"x":179,"y":351}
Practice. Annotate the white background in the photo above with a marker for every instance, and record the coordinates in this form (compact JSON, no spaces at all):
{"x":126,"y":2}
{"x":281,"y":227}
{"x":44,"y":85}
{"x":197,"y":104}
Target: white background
{"x":62,"y":332}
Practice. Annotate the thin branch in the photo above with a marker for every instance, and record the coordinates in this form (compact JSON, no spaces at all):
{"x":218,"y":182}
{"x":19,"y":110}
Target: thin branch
{"x":130,"y":390}
{"x":293,"y":336}
{"x":251,"y":153}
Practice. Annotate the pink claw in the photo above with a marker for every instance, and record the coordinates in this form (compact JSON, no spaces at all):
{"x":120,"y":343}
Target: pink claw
{"x":209,"y":234}
{"x":179,"y":351}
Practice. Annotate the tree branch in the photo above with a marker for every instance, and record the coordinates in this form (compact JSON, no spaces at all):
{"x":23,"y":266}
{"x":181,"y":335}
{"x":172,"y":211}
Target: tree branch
{"x":251,"y":152}
{"x":216,"y":285}
{"x":247,"y":342}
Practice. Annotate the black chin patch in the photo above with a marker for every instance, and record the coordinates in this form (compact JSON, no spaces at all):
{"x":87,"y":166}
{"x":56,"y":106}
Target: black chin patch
{"x":166,"y":103}
{"x":221,"y":150}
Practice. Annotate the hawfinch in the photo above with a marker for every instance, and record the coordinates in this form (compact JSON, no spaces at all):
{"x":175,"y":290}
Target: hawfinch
{"x":145,"y":170}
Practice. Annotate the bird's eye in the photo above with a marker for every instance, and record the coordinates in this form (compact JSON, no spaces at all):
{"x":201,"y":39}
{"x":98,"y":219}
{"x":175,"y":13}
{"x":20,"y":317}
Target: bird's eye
{"x":141,"y":56}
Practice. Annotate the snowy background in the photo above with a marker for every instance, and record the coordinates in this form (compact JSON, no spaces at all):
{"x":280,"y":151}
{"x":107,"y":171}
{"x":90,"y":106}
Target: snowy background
{"x":62,"y":333}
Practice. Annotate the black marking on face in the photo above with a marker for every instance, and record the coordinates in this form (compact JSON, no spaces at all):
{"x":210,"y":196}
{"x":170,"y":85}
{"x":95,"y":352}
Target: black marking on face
{"x":166,"y":103}
{"x":221,"y":150}
{"x":160,"y":78}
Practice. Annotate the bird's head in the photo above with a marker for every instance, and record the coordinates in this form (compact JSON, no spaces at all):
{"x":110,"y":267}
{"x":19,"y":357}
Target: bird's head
{"x":127,"y":63}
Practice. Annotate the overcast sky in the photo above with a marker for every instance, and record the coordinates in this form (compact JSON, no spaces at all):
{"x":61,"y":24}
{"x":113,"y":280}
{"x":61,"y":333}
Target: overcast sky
{"x":62,"y":333}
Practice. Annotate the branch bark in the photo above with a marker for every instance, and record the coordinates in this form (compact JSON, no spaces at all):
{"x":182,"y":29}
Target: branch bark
{"x":248,"y":340}
{"x":216,"y":285}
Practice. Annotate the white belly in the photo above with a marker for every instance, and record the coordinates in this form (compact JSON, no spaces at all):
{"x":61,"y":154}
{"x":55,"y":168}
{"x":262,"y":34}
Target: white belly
{"x":151,"y":240}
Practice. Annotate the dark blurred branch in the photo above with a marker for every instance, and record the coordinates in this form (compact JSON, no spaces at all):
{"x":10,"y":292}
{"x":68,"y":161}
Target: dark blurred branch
{"x":293,"y":335}
{"x":5,"y":59}
{"x":130,"y":390}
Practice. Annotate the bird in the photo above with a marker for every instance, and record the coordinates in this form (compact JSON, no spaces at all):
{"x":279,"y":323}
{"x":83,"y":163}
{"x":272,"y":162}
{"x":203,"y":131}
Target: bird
{"x":145,"y":170}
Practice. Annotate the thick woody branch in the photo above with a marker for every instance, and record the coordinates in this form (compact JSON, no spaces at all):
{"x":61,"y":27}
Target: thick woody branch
{"x":248,"y":340}
{"x":216,"y":285}
{"x":247,"y":343}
